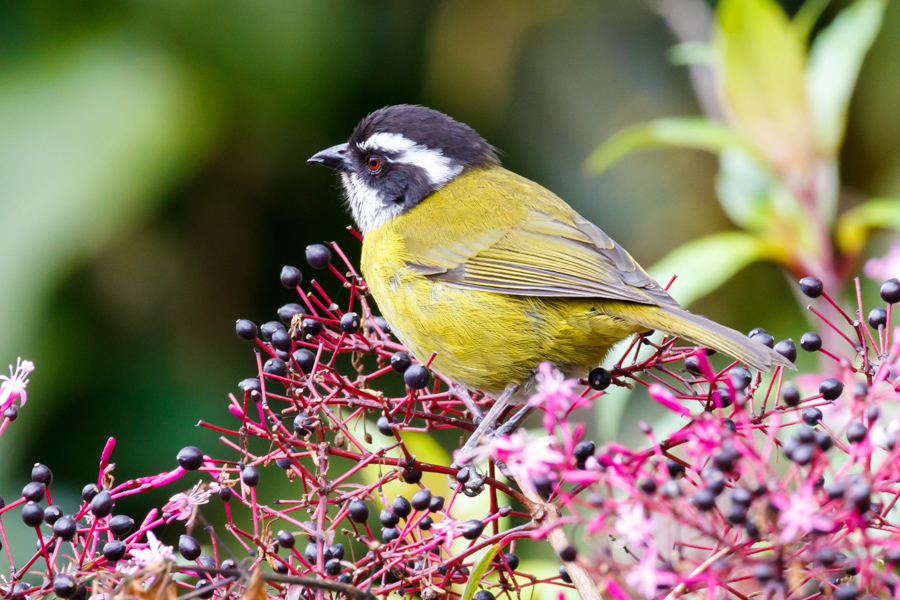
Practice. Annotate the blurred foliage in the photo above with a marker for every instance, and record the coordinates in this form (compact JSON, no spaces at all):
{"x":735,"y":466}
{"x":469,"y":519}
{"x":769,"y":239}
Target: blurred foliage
{"x":153,"y":177}
{"x":786,"y":113}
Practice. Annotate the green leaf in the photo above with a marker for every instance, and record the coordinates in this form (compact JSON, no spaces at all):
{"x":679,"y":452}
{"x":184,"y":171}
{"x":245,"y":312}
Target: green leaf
{"x":806,"y":17}
{"x":853,"y":226}
{"x":704,"y":264}
{"x":763,"y":61}
{"x":478,"y":572}
{"x":744,"y":186}
{"x":834,"y":64}
{"x":684,"y":132}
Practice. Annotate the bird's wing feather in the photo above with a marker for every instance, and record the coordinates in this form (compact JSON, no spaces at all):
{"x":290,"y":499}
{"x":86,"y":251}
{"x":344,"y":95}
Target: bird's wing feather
{"x":544,"y":255}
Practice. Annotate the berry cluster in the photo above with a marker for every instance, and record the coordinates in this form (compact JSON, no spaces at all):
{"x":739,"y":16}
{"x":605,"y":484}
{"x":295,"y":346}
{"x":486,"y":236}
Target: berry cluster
{"x":758,"y":484}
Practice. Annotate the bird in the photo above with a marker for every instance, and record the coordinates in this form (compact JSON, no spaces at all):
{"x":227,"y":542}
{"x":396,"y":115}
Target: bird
{"x":490,"y":273}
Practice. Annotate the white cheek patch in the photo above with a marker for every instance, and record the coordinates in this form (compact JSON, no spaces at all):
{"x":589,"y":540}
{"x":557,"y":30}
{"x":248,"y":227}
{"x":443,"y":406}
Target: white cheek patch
{"x":369,"y":211}
{"x":437,"y":167}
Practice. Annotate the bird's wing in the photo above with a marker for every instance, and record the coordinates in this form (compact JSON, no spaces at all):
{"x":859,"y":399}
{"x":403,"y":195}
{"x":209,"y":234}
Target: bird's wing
{"x":543,"y":255}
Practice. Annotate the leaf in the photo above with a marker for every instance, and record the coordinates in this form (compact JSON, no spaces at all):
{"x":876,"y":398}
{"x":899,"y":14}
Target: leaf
{"x":744,"y":186}
{"x":806,"y":17}
{"x":834,"y":63}
{"x":763,"y":62}
{"x":853,"y":226}
{"x":92,"y":137}
{"x":706,"y":263}
{"x":479,"y":570}
{"x":683,"y":132}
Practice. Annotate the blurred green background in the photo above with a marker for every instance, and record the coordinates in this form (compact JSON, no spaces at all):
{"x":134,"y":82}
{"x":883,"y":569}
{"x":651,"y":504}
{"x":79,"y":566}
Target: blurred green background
{"x":153,"y":180}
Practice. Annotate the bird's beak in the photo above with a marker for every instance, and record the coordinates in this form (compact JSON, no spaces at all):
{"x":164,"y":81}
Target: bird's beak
{"x":333,"y":157}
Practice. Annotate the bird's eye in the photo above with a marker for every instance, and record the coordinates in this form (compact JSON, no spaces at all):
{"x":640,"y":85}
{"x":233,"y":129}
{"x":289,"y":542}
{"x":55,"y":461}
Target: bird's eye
{"x":374,"y":163}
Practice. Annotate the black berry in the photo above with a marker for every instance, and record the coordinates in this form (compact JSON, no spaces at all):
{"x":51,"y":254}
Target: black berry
{"x":512,"y":560}
{"x":350,"y":322}
{"x":281,"y":340}
{"x":313,"y":327}
{"x":102,"y":504}
{"x":305,"y":360}
{"x":740,"y":378}
{"x":860,"y":495}
{"x":389,"y":534}
{"x":411,"y":476}
{"x":190,"y":458}
{"x":384,"y":426}
{"x":42,"y":474}
{"x":225,"y":494}
{"x":89,"y":491}
{"x":877,"y":317}
{"x":599,"y":379}
{"x":890,"y":291}
{"x":269,"y":328}
{"x":811,"y":415}
{"x":204,"y":589}
{"x":400,"y":362}
{"x":676,"y":469}
{"x":831,"y":388}
{"x":764,"y":338}
{"x":358,"y":511}
{"x":51,"y":513}
{"x":250,"y":385}
{"x":810,"y":341}
{"x":65,"y":528}
{"x":333,"y":566}
{"x":483,"y":595}
{"x":286,"y":539}
{"x":584,"y":450}
{"x":246,"y":329}
{"x":704,"y":500}
{"x":32,"y":514}
{"x":275,"y":366}
{"x":426,"y":523}
{"x":114,"y":551}
{"x":787,"y":349}
{"x":388,"y":517}
{"x":811,"y":287}
{"x":856,"y":432}
{"x":417,"y":377}
{"x":401,"y":506}
{"x":287,"y":312}
{"x":472,"y":529}
{"x":421,"y":500}
{"x":250,"y":476}
{"x":564,"y":574}
{"x":290,"y":276}
{"x":791,"y":395}
{"x":64,"y":586}
{"x":120,"y":525}
{"x":318,"y":256}
{"x":382,"y":324}
{"x":436,"y":504}
{"x":34,"y":491}
{"x":189,"y":547}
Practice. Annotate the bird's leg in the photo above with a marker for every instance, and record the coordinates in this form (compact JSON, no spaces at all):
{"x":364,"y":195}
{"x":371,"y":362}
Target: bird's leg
{"x":487,"y":423}
{"x":462,"y":393}
{"x":516,"y":421}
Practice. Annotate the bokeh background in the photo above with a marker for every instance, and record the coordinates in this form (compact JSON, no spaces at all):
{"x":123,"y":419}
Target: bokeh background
{"x":153,"y":180}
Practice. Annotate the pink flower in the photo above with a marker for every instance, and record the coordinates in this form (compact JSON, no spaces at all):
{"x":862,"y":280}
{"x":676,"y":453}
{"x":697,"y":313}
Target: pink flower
{"x":555,"y":394}
{"x":635,"y":527}
{"x":184,"y":505}
{"x":665,"y":397}
{"x":885,"y":267}
{"x":154,"y":556}
{"x":800,"y":513}
{"x":646,"y":578}
{"x":704,"y":437}
{"x":444,"y":529}
{"x":12,"y":388}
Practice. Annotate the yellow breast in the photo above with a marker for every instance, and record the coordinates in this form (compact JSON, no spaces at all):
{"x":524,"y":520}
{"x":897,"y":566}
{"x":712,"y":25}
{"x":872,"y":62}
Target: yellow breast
{"x":482,"y":340}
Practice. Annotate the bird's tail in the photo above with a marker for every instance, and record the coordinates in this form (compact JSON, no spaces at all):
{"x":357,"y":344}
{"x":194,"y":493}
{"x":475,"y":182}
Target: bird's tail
{"x":701,"y":331}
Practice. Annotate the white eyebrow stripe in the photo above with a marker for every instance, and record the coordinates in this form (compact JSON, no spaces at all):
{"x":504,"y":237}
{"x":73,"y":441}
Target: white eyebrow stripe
{"x":437,"y":167}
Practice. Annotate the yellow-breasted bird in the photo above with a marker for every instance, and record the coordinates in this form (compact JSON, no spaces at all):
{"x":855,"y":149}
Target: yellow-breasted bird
{"x":491,"y":271}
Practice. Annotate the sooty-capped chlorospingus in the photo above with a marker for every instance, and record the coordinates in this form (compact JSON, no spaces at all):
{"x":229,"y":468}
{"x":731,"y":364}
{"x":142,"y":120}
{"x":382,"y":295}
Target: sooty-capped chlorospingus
{"x":489,"y":270}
